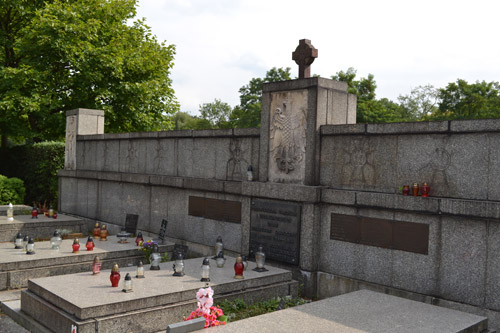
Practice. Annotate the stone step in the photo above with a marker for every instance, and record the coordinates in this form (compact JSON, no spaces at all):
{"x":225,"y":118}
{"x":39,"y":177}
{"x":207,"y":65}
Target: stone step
{"x":92,"y":305}
{"x":16,"y":267}
{"x":13,"y":310}
{"x":40,"y":228}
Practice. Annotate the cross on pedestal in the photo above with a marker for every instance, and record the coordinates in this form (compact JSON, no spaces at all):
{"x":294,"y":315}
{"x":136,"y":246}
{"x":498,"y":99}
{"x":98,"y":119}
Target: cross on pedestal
{"x":304,"y":56}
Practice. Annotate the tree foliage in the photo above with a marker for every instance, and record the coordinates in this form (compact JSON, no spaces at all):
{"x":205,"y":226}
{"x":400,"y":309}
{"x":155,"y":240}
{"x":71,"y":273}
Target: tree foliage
{"x":217,"y":113}
{"x":247,"y":114}
{"x":420,"y":103}
{"x":60,"y":55}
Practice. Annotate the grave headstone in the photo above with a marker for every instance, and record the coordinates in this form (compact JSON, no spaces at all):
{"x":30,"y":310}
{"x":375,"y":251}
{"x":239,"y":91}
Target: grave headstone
{"x":131,"y":223}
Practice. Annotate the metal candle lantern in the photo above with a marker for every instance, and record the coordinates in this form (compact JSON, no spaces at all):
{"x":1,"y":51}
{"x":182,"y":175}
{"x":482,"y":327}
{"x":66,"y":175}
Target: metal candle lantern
{"x":127,"y":284}
{"x":155,"y":258}
{"x":219,"y":247}
{"x":139,"y":239}
{"x":90,"y":244}
{"x":10,"y":212}
{"x":103,"y":233}
{"x":76,"y":245}
{"x":123,"y":236}
{"x":18,"y":243}
{"x":115,"y":275}
{"x":25,"y":242}
{"x":205,"y":270}
{"x":34,"y":213}
{"x":239,"y":268}
{"x":97,"y":231}
{"x":260,"y":259}
{"x":51,"y":211}
{"x":140,"y":271}
{"x":56,"y":240}
{"x":30,"y":247}
{"x":220,"y":260}
{"x":96,"y":266}
{"x":245,"y":262}
{"x":250,"y":173}
{"x":179,"y":265}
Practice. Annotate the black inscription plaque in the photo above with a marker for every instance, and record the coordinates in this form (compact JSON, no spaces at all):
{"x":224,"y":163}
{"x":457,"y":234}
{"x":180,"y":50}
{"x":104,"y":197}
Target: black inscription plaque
{"x":275,"y":225}
{"x":163,"y":230}
{"x":215,"y":209}
{"x":131,"y":223}
{"x":389,"y":234}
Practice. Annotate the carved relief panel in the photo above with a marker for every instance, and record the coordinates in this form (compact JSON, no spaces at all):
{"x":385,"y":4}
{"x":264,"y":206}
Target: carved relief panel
{"x":287,"y":136}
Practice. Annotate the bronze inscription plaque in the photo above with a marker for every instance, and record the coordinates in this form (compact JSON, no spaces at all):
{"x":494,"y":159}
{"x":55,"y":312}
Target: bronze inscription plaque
{"x":215,"y":209}
{"x":275,"y":225}
{"x":389,"y":234}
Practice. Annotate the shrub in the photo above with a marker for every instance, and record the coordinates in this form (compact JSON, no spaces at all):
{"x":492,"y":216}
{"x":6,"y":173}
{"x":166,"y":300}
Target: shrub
{"x":11,"y":190}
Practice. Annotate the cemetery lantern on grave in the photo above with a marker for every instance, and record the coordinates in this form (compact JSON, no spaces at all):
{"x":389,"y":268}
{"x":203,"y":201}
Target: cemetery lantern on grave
{"x":155,"y":258}
{"x":127,"y":284}
{"x":96,"y":231}
{"x":26,"y":239}
{"x":34,"y":213}
{"x":56,"y":240}
{"x":179,"y":265}
{"x":51,"y":211}
{"x":205,"y":270}
{"x":139,"y":239}
{"x":140,"y":271}
{"x":115,"y":275}
{"x":10,"y":212}
{"x":76,"y":245}
{"x":239,"y":268}
{"x":249,"y":173}
{"x":30,"y":247}
{"x":220,"y":260}
{"x":260,"y":259}
{"x":96,"y":266}
{"x":18,"y":243}
{"x":219,"y":247}
{"x":90,"y":244}
{"x":103,"y":233}
{"x":123,"y":236}
{"x":245,"y":262}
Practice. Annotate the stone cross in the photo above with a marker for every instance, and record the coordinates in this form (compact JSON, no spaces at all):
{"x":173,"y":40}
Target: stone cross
{"x":304,"y":56}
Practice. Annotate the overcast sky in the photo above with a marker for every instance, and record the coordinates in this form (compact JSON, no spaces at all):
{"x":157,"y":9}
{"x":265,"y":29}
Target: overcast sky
{"x":222,"y":44}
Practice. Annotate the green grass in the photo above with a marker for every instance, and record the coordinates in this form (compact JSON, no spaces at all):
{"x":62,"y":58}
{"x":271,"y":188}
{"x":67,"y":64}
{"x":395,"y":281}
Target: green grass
{"x":238,"y":309}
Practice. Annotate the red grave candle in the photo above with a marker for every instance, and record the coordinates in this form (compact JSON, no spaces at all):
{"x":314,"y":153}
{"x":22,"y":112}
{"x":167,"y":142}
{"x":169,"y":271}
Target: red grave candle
{"x":238,"y":268}
{"x":115,"y":276}
{"x":90,"y":244}
{"x":76,"y":246}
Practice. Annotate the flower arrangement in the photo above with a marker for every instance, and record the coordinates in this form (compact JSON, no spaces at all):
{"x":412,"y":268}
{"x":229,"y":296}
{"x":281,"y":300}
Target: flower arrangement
{"x":147,"y":248}
{"x":213,"y":315}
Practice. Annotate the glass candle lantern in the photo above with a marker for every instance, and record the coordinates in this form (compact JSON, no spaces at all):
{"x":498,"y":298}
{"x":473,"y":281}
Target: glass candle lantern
{"x":239,"y":268}
{"x":220,"y":260}
{"x":34,"y":213}
{"x":155,"y":258}
{"x":96,"y":266}
{"x":56,"y":240}
{"x":115,"y":275}
{"x":25,"y":242}
{"x":123,"y":236}
{"x":18,"y":243}
{"x":245,"y":262}
{"x":139,"y":239}
{"x":76,"y":245}
{"x":96,"y":231}
{"x":51,"y":211}
{"x":425,"y":189}
{"x":55,"y":215}
{"x":260,"y":259}
{"x":30,"y":247}
{"x":219,"y":247}
{"x":127,"y":284}
{"x":406,"y":189}
{"x":250,"y":173}
{"x":415,"y":189}
{"x":205,"y":270}
{"x":140,"y":271}
{"x":90,"y":244}
{"x":179,"y":265}
{"x":10,"y":212}
{"x":103,"y":233}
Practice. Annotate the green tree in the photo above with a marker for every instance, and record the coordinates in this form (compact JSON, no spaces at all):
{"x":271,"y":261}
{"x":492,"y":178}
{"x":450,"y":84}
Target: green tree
{"x":369,"y":109}
{"x":421,"y":102}
{"x":461,"y":100}
{"x":217,"y":113}
{"x":60,"y":55}
{"x":247,"y":114}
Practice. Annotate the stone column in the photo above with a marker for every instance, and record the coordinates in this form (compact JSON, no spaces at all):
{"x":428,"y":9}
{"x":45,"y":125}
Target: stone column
{"x":292,"y":113}
{"x":80,"y":122}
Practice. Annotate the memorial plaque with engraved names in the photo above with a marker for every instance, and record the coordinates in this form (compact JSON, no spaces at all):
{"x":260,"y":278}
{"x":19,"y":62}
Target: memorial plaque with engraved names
{"x":215,"y":209}
{"x":131,"y":221}
{"x":275,"y":225}
{"x":397,"y":235}
{"x":196,"y":206}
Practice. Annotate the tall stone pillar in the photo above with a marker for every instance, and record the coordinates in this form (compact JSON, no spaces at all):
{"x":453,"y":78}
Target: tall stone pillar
{"x":80,"y":122}
{"x":292,"y":113}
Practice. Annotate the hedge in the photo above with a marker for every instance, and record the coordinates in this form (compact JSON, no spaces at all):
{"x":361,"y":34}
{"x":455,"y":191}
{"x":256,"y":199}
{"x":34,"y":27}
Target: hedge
{"x":11,"y":191}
